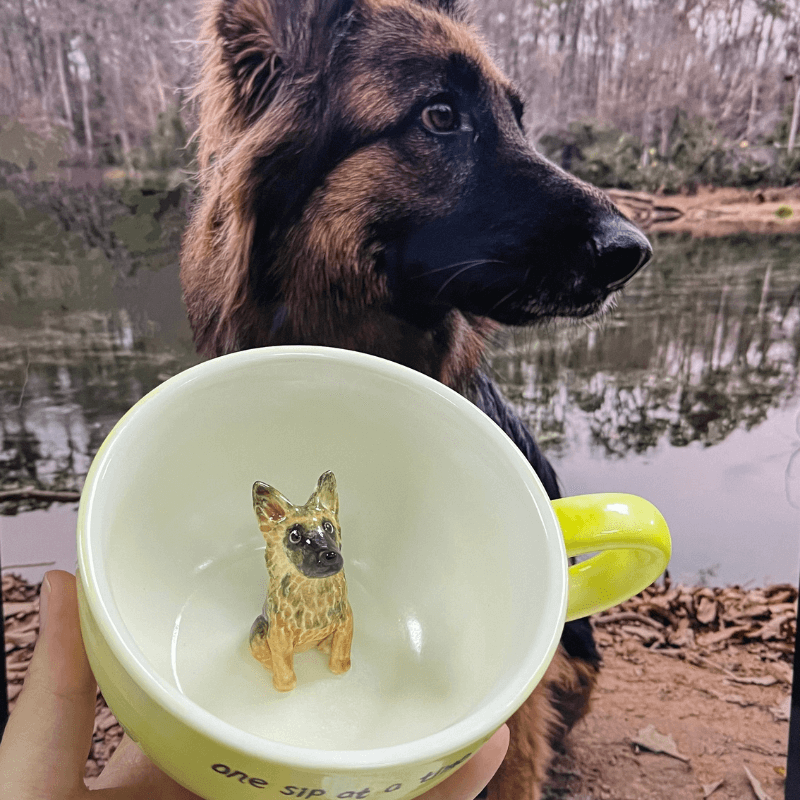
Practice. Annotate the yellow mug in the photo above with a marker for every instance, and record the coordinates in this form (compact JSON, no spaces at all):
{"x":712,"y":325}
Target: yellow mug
{"x":455,"y":559}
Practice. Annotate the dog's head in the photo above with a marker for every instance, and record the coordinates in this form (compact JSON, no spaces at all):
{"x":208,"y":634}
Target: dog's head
{"x":307,"y":537}
{"x":368,"y":154}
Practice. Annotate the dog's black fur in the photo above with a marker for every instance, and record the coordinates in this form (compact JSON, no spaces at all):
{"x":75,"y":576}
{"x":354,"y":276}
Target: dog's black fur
{"x":577,"y":637}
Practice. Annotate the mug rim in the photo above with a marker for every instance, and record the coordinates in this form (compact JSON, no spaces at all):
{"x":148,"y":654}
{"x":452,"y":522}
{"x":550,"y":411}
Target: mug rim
{"x":461,"y":734}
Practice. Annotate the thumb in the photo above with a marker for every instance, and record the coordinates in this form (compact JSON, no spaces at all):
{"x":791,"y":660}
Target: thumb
{"x":47,"y":739}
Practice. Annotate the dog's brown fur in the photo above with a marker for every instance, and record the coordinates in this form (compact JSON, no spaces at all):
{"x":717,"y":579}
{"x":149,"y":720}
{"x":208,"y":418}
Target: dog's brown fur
{"x":317,"y":179}
{"x":329,"y":244}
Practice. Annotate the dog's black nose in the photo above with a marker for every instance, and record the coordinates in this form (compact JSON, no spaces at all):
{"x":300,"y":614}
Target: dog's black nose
{"x":621,"y":250}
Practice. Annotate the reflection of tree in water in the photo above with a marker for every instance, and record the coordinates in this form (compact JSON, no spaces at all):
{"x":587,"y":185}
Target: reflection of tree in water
{"x":63,"y":389}
{"x":706,"y":341}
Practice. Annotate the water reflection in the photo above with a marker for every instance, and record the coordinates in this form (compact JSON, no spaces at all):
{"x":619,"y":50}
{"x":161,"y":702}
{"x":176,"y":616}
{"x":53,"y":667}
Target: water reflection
{"x":686,"y":394}
{"x":64,"y":386}
{"x":704,"y":342}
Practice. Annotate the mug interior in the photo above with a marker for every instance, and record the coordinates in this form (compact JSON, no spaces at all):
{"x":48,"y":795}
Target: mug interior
{"x":455,"y":567}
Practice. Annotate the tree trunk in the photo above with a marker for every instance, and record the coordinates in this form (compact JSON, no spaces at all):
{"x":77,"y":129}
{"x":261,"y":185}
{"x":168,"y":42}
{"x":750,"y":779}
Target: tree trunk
{"x":751,"y":114}
{"x":58,"y":50}
{"x":87,"y":122}
{"x":14,"y":84}
{"x":795,"y":115}
{"x":666,"y":117}
{"x":162,"y":100}
{"x":119,"y":103}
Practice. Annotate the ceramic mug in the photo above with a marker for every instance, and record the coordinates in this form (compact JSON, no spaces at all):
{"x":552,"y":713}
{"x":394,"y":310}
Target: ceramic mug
{"x":455,"y":559}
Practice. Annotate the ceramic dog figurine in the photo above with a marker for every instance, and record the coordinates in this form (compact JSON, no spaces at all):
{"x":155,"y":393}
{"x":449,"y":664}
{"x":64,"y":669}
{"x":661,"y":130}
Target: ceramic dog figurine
{"x":306,"y":603}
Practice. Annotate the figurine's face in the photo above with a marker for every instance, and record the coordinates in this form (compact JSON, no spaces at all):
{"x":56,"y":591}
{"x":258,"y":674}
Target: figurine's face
{"x":310,"y":534}
{"x":311,"y":545}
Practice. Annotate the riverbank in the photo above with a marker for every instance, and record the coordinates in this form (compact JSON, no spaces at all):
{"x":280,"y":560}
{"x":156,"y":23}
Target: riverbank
{"x":693,"y":695}
{"x":714,"y":212}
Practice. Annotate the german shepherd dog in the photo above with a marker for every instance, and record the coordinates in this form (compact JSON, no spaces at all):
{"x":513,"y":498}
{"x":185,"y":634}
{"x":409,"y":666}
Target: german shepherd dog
{"x":366,"y":183}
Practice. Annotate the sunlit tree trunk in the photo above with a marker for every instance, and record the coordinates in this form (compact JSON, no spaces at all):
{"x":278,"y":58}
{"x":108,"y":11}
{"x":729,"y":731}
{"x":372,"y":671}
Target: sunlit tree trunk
{"x":82,"y":72}
{"x":58,"y":51}
{"x":162,"y":100}
{"x":119,"y":103}
{"x":795,"y":115}
{"x":87,"y":121}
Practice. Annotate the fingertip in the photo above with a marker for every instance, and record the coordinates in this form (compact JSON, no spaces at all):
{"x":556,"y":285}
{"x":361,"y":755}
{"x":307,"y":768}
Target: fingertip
{"x":59,"y":659}
{"x":57,"y":581}
{"x":502,"y":738}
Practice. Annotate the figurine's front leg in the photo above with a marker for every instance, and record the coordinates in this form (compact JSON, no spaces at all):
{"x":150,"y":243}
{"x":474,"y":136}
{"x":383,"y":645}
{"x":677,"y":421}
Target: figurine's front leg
{"x":340,"y":646}
{"x":282,"y":650}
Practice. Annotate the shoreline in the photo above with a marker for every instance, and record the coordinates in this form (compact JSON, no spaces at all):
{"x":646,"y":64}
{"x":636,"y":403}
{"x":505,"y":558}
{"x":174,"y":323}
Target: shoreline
{"x":711,"y":212}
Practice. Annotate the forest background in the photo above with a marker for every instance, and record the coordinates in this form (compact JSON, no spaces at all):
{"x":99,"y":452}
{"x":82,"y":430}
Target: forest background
{"x":656,"y":95}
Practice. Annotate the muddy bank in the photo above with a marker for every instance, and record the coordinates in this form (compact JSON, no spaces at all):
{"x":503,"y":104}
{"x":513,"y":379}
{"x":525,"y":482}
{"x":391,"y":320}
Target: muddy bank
{"x":714,"y":212}
{"x":693,"y":699}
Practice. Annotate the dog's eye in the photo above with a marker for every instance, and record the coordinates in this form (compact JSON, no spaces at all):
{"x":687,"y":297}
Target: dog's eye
{"x":327,"y":527}
{"x":295,"y":536}
{"x":440,"y":118}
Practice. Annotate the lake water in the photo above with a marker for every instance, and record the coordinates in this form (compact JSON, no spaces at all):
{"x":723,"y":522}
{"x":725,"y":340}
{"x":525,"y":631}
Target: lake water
{"x":687,"y":394}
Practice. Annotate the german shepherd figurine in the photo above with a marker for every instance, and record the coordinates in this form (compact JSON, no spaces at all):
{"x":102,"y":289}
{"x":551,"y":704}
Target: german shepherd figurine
{"x":366,"y":182}
{"x":306,"y":603}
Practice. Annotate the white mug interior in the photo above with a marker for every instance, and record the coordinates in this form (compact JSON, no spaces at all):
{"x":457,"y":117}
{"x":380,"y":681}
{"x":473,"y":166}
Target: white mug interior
{"x":455,"y":565}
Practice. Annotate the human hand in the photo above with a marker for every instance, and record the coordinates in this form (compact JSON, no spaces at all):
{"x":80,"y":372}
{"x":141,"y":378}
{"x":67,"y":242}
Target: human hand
{"x":47,"y":739}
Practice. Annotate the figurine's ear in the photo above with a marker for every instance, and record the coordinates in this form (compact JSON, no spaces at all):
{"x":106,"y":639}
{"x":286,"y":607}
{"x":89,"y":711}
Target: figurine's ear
{"x":269,"y":504}
{"x":325,"y":493}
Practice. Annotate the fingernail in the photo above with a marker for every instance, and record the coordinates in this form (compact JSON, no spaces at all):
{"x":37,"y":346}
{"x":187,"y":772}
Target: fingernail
{"x":44,"y":602}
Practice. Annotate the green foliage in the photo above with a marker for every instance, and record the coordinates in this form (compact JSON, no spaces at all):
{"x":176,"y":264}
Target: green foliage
{"x":697,"y":155}
{"x":168,"y":147}
{"x":28,"y":151}
{"x":596,"y":153}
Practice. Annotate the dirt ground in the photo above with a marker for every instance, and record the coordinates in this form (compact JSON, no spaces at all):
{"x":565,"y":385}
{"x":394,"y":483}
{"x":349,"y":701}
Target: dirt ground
{"x":710,"y":668}
{"x":718,"y":728}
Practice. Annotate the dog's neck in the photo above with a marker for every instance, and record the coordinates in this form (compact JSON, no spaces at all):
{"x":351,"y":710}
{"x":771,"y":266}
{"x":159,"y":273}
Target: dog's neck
{"x":450,"y":351}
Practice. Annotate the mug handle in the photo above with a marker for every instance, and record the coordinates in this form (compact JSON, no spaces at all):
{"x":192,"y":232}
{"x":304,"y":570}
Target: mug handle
{"x":631,"y":540}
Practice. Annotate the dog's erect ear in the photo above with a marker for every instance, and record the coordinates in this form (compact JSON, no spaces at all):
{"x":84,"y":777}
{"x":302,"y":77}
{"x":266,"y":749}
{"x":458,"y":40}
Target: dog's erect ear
{"x":270,"y":505}
{"x":251,"y":39}
{"x":325,"y":493}
{"x":263,"y":40}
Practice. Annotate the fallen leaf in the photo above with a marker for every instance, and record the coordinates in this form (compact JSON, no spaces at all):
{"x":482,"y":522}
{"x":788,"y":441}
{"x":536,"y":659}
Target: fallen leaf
{"x":755,"y":611}
{"x":710,"y":788}
{"x":650,"y":739}
{"x":761,"y":680}
{"x":757,"y":787}
{"x":723,"y":635}
{"x":647,"y":635}
{"x":772,"y":630}
{"x":781,"y":711}
{"x":736,"y":699}
{"x":10,"y":609}
{"x":782,"y":671}
{"x":706,"y":610}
